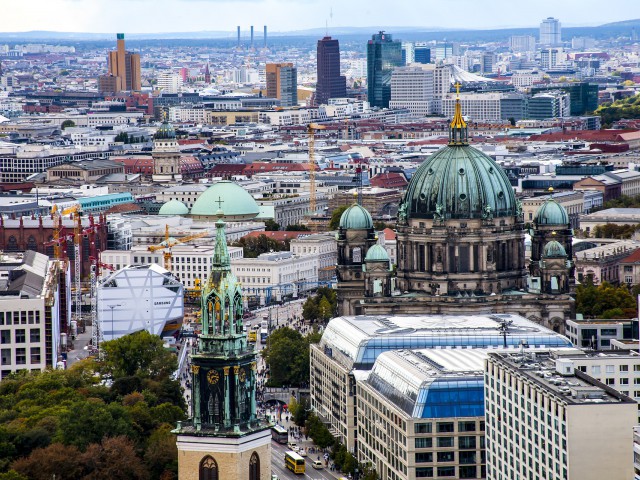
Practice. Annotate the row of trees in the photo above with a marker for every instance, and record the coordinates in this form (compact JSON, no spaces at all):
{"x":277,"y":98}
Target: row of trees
{"x":606,"y":301}
{"x":628,"y":108}
{"x":273,"y":226}
{"x":111,"y":419}
{"x":613,"y":230}
{"x":287,"y":354}
{"x":321,"y":306}
{"x":254,"y":246}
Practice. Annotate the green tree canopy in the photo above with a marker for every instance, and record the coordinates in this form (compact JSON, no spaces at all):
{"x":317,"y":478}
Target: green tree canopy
{"x":254,"y":246}
{"x":297,"y":228}
{"x":287,"y":354}
{"x":322,"y":306}
{"x":140,"y":354}
{"x":67,"y":124}
{"x":270,"y":225}
{"x":605,"y":301}
{"x":334,"y":223}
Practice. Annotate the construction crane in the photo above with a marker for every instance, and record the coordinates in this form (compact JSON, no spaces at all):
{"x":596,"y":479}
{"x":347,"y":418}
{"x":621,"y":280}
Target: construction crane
{"x":311,"y":130}
{"x":97,"y":332}
{"x":170,"y":242}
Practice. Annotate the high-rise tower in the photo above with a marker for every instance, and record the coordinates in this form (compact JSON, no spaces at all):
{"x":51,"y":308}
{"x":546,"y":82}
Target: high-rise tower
{"x":383,"y":55}
{"x":282,"y":83}
{"x":330,"y":83}
{"x":550,"y":32}
{"x":224,"y":439}
{"x":124,"y":70}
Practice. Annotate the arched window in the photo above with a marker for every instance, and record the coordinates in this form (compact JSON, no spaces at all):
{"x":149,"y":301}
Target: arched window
{"x":254,"y":467}
{"x":208,"y":469}
{"x":32,"y":244}
{"x":12,"y":244}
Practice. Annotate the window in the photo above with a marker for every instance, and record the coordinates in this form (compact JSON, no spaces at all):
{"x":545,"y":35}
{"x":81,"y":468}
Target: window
{"x":35,"y":354}
{"x":445,"y":427}
{"x":5,"y":357}
{"x":467,"y":457}
{"x":424,"y":472}
{"x":445,"y":442}
{"x":595,"y":369}
{"x":466,"y":426}
{"x":5,"y":336}
{"x":624,"y":368}
{"x":21,"y":356}
{"x":468,"y":472}
{"x":467,"y":442}
{"x":422,"y":428}
{"x":208,"y":469}
{"x":254,"y":467}
{"x":446,"y":456}
{"x":20,"y":335}
{"x":624,"y":381}
{"x":610,"y":369}
{"x":446,"y":471}
{"x":423,"y":457}
{"x":425,"y":442}
{"x":34,"y":335}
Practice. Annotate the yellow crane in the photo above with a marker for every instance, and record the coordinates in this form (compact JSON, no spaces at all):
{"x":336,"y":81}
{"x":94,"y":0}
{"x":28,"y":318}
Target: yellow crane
{"x":311,"y":130}
{"x":170,"y":242}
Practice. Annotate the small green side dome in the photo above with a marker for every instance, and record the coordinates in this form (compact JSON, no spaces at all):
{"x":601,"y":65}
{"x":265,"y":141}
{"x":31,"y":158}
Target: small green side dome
{"x":231,"y":198}
{"x":551,"y":213}
{"x":356,"y":217}
{"x":377,"y":253}
{"x":459,"y":182}
{"x":173,"y":207}
{"x":554,"y":249}
{"x":165,"y":132}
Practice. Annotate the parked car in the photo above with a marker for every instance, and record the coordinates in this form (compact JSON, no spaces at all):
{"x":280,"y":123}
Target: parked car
{"x":318,"y":464}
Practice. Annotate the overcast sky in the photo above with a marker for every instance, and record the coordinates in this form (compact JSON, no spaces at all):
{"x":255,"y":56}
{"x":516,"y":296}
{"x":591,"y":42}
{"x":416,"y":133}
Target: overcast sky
{"x":149,"y":16}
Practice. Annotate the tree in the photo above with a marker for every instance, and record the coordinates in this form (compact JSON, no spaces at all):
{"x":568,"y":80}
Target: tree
{"x":122,"y":137}
{"x":254,"y":246}
{"x":318,"y":432}
{"x":334,"y":223}
{"x":114,"y":458}
{"x":297,"y":228}
{"x":315,"y":308}
{"x":12,"y":475}
{"x":67,"y":124}
{"x":288,"y":358}
{"x":324,"y":309}
{"x":161,"y":456}
{"x":55,"y":461}
{"x":141,"y":354}
{"x":271,"y":225}
{"x":605,"y":301}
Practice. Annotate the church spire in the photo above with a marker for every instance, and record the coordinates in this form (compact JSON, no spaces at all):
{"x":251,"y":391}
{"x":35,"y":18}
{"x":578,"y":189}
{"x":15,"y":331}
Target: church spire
{"x":458,"y":134}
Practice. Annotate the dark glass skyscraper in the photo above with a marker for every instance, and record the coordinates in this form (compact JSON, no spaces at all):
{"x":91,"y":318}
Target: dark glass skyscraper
{"x":330,"y":83}
{"x":383,"y":55}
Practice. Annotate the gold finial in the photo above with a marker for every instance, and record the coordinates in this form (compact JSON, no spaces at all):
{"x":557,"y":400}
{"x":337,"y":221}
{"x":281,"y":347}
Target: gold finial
{"x":457,"y":85}
{"x":458,"y":123}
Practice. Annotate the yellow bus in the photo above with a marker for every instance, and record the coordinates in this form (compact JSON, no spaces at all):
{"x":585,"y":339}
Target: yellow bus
{"x":252,"y":336}
{"x":294,"y":462}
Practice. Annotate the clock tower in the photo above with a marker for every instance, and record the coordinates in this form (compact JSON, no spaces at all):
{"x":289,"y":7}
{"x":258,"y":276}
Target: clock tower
{"x":224,"y":439}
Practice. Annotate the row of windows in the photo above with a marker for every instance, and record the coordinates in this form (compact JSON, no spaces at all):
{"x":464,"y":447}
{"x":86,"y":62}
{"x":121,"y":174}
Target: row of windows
{"x":20,"y":355}
{"x":30,"y":317}
{"x":20,"y":336}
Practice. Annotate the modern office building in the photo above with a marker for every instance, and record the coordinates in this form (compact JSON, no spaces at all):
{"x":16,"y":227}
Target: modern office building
{"x":350,"y":346}
{"x":478,"y":107}
{"x":408,"y":53}
{"x":330,"y":83}
{"x":412,"y":88}
{"x":422,"y":53}
{"x":583,"y":96}
{"x":522,"y":43}
{"x":169,"y":82}
{"x":547,"y":420}
{"x":383,"y":55}
{"x":488,"y":62}
{"x":550,"y":32}
{"x":551,"y":58}
{"x":514,"y":106}
{"x":444,"y":50}
{"x":551,"y":104}
{"x":124,"y":69}
{"x":34,"y":305}
{"x":421,"y":414}
{"x":282,"y":83}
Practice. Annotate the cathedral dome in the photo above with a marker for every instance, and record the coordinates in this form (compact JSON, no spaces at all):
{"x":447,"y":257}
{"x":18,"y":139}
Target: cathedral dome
{"x":554,"y":249}
{"x":165,"y":132}
{"x":377,"y":253}
{"x":173,"y":207}
{"x":551,"y":213}
{"x":356,"y":217}
{"x":460,"y":182}
{"x":231,"y":198}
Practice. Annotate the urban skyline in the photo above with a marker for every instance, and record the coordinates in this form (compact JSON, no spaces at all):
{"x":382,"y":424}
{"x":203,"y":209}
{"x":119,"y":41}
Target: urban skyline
{"x":285,"y":15}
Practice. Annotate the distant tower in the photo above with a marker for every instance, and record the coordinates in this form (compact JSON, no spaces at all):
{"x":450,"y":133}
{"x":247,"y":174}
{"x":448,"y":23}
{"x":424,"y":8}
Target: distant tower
{"x":383,"y":55}
{"x":224,"y":439}
{"x":265,"y":36}
{"x":550,"y":32}
{"x":282,"y":83}
{"x":124,"y":70}
{"x":166,"y":155}
{"x":251,"y":37}
{"x":238,"y":46}
{"x":330,"y":83}
{"x":207,"y":74}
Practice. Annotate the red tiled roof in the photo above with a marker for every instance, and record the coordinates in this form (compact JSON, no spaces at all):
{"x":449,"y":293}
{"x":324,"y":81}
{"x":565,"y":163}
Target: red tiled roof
{"x":125,"y":208}
{"x":277,"y":235}
{"x":633,"y":258}
{"x":389,"y":180}
{"x":389,"y":234}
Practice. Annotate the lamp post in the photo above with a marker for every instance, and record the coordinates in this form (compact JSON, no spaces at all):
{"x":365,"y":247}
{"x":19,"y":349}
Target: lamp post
{"x":112,"y":307}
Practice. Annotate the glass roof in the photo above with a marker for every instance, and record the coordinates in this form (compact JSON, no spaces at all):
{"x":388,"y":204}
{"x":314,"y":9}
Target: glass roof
{"x":356,"y":342}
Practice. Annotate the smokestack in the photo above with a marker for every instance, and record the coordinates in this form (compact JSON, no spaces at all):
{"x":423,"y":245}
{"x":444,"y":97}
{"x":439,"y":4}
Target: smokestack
{"x":251,"y":37}
{"x":265,"y":36}
{"x":238,"y":36}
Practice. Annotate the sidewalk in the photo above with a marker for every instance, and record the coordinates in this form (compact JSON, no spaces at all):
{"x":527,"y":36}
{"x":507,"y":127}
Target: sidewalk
{"x":79,"y":352}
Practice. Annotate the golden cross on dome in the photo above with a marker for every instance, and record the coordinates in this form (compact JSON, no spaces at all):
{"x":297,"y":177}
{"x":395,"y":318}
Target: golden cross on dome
{"x":457,"y":85}
{"x":219,"y":202}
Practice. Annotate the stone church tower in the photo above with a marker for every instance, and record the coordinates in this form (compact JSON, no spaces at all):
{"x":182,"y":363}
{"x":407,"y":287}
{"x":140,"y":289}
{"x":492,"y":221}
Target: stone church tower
{"x":224,"y":439}
{"x":166,"y":155}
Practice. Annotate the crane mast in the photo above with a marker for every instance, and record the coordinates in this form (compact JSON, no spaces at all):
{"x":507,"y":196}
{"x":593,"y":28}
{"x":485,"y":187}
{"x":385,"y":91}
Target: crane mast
{"x":311,"y":130}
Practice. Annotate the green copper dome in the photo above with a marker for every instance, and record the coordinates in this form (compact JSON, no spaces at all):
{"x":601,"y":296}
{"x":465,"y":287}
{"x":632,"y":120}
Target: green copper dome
{"x":377,"y":253}
{"x":459,"y":181}
{"x":554,"y":249}
{"x":173,"y":207}
{"x":165,"y":132}
{"x":551,"y":213}
{"x":356,"y":217}
{"x":231,"y":198}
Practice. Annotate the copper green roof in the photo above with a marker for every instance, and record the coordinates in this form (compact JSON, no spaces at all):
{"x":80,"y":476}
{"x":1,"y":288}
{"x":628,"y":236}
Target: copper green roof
{"x":356,"y":217}
{"x":377,"y":253}
{"x":554,"y":249}
{"x":173,"y":207}
{"x":459,"y":181}
{"x":230,"y":197}
{"x":165,"y":132}
{"x":551,"y":213}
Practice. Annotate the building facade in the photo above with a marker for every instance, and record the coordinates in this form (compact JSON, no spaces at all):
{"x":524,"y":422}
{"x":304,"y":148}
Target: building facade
{"x":550,"y":32}
{"x":383,"y":55}
{"x":124,"y":69}
{"x":282,"y":83}
{"x":330,"y":83}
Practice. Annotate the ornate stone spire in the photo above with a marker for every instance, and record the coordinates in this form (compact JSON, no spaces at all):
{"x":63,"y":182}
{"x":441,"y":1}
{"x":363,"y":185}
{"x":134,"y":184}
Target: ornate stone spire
{"x":458,"y":128}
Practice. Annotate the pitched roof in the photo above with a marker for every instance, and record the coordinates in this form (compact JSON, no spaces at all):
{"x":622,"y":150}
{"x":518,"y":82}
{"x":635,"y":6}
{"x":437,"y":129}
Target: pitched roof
{"x":633,"y":258}
{"x":280,"y":236}
{"x":389,"y":180}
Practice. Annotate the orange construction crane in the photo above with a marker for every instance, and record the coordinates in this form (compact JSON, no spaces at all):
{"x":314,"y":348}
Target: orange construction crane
{"x":170,"y":242}
{"x":311,"y":130}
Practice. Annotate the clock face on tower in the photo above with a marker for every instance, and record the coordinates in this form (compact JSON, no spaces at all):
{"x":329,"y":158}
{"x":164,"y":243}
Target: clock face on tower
{"x":213,"y":376}
{"x":242,"y":375}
